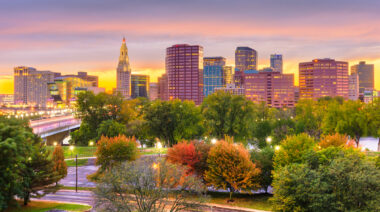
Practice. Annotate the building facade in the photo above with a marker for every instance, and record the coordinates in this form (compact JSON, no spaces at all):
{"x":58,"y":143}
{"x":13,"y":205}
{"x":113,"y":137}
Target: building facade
{"x":184,"y":69}
{"x":31,"y":86}
{"x":163,"y":87}
{"x":140,"y":86}
{"x":276,"y":62}
{"x":153,"y":91}
{"x":323,"y":77}
{"x":213,"y":74}
{"x":245,"y":59}
{"x":123,"y":72}
{"x":366,"y":76}
{"x":272,"y":88}
{"x":232,"y":89}
{"x":353,"y":87}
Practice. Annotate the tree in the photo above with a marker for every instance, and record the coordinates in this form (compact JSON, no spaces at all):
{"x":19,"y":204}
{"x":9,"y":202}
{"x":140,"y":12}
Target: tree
{"x":336,"y":140}
{"x":190,"y":154}
{"x":230,"y":167}
{"x":60,"y":166}
{"x":294,"y":149}
{"x":39,"y":172}
{"x":15,"y":148}
{"x":227,"y":114}
{"x":373,"y":113}
{"x":114,"y":151}
{"x":346,"y":181}
{"x":264,"y":160}
{"x":83,"y":135}
{"x":111,"y":128}
{"x":174,"y":120}
{"x":309,"y":117}
{"x":146,"y":185}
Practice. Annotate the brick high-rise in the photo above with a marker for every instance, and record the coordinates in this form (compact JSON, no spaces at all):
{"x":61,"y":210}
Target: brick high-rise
{"x":184,"y":69}
{"x":323,"y":77}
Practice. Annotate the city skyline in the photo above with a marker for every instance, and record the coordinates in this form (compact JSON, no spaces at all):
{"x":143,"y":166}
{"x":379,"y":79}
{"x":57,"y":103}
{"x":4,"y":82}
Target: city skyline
{"x":86,"y":35}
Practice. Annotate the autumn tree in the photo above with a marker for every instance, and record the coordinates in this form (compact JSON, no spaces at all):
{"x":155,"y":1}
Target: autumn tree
{"x":336,"y":140}
{"x":230,"y":167}
{"x":60,"y":166}
{"x":114,"y":151}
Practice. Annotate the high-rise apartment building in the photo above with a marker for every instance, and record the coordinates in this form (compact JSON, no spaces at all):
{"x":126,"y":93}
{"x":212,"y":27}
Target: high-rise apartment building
{"x":31,"y":86}
{"x":245,"y":59}
{"x":123,"y":73}
{"x":232,"y":89}
{"x":163,"y":87}
{"x":153,"y":91}
{"x":276,"y":62}
{"x":140,"y":85}
{"x":323,"y":77}
{"x":184,"y":69}
{"x":272,"y":88}
{"x":366,"y":75}
{"x":213,"y":74}
{"x":353,"y":86}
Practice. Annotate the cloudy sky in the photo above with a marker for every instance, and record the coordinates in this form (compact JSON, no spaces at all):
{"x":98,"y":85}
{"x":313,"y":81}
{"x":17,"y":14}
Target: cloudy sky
{"x":85,"y":35}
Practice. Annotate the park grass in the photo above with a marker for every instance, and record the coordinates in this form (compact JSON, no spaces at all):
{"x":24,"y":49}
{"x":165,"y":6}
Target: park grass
{"x":252,"y":201}
{"x":153,"y":151}
{"x":79,"y":188}
{"x":81,"y":151}
{"x":81,"y":162}
{"x":42,"y":206}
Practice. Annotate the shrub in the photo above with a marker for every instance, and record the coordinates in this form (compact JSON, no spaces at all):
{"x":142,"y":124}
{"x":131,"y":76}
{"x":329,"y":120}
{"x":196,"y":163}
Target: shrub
{"x":59,"y":163}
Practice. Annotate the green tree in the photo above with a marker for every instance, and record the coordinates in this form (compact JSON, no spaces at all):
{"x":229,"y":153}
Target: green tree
{"x":60,"y":166}
{"x":173,"y":120}
{"x":227,"y":114}
{"x":309,"y":117}
{"x":294,"y":149}
{"x":83,"y":135}
{"x":373,"y":112}
{"x":264,"y":160}
{"x":15,"y":148}
{"x":230,"y":167}
{"x":111,"y":128}
{"x":39,"y":172}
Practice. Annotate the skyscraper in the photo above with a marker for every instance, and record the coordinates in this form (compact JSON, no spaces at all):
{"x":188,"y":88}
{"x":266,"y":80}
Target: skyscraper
{"x":140,"y":85}
{"x":276,"y":62}
{"x":123,"y":74}
{"x":184,"y":69}
{"x":366,"y":75}
{"x":163,"y":87}
{"x":323,"y":77}
{"x":353,"y":86}
{"x":245,"y":59}
{"x":31,"y":86}
{"x":153,"y":90}
{"x":213,"y":74}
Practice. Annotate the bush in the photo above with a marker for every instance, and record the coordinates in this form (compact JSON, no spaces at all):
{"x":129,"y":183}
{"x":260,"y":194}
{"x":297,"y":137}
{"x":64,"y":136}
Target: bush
{"x":60,"y":166}
{"x":230,"y":167}
{"x":114,"y":151}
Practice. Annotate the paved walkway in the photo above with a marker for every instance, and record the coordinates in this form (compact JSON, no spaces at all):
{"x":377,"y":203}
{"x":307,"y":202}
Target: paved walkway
{"x":83,"y":171}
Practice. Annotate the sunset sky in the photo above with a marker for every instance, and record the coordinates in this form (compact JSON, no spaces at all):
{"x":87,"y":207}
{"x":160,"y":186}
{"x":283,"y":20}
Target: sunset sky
{"x":85,"y":35}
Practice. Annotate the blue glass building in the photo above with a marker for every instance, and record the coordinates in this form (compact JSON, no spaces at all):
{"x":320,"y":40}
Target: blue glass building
{"x":213,"y":74}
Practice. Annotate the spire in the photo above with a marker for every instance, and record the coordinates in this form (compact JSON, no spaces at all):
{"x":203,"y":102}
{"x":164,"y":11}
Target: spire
{"x":123,"y":39}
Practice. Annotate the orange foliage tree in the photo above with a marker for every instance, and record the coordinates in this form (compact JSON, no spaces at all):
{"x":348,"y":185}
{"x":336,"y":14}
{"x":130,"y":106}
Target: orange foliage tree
{"x":60,"y":165}
{"x":191,"y":154}
{"x":337,"y":140}
{"x":230,"y":167}
{"x":115,"y":150}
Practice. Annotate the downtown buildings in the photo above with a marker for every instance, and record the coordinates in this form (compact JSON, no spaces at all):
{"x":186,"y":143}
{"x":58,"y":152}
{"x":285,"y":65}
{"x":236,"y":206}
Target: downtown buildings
{"x":365,"y":73}
{"x":323,"y":77}
{"x":139,"y":86}
{"x":276,"y":62}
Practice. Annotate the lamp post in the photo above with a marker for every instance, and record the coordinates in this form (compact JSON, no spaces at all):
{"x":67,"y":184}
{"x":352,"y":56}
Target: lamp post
{"x":269,"y":139}
{"x":76,"y":172}
{"x":213,"y":141}
{"x":71,"y":150}
{"x":159,"y":146}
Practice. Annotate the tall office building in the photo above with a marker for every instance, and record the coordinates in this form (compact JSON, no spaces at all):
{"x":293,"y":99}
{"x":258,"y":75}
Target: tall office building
{"x":353,"y":86}
{"x":163,"y":87}
{"x":323,"y":77}
{"x":31,"y":86}
{"x":276,"y":62}
{"x":245,"y":59}
{"x":213,"y":74}
{"x":184,"y":68}
{"x":90,"y":78}
{"x":366,"y":76}
{"x":228,"y":75}
{"x":272,"y":88}
{"x":140,"y":85}
{"x":153,"y":91}
{"x":123,"y":74}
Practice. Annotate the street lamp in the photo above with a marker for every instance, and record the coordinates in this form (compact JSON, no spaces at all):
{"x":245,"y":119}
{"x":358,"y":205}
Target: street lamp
{"x":55,"y":143}
{"x":159,"y":146}
{"x":213,"y":141}
{"x":277,"y":148}
{"x":91,"y":143}
{"x":269,"y":139}
{"x":76,"y":167}
{"x":71,"y":150}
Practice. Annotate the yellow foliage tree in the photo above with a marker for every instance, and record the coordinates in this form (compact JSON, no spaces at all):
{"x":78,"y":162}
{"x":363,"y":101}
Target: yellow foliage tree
{"x":230,"y":167}
{"x":60,"y":165}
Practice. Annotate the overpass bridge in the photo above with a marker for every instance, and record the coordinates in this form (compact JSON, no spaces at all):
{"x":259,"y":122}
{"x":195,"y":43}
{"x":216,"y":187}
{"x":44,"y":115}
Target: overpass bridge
{"x":49,"y":127}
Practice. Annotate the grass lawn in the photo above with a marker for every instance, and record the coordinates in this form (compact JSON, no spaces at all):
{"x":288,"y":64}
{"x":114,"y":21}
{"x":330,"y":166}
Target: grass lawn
{"x":82,"y":151}
{"x":153,"y":151}
{"x":81,"y":162}
{"x":79,"y":188}
{"x":41,"y":206}
{"x":252,"y":201}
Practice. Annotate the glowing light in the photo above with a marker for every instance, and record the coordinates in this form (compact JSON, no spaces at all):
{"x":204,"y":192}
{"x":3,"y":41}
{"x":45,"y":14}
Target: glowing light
{"x":159,"y":145}
{"x":155,"y":166}
{"x":213,"y":141}
{"x":71,"y":148}
{"x":269,"y":139}
{"x":91,"y":143}
{"x":55,"y":143}
{"x":277,"y":148}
